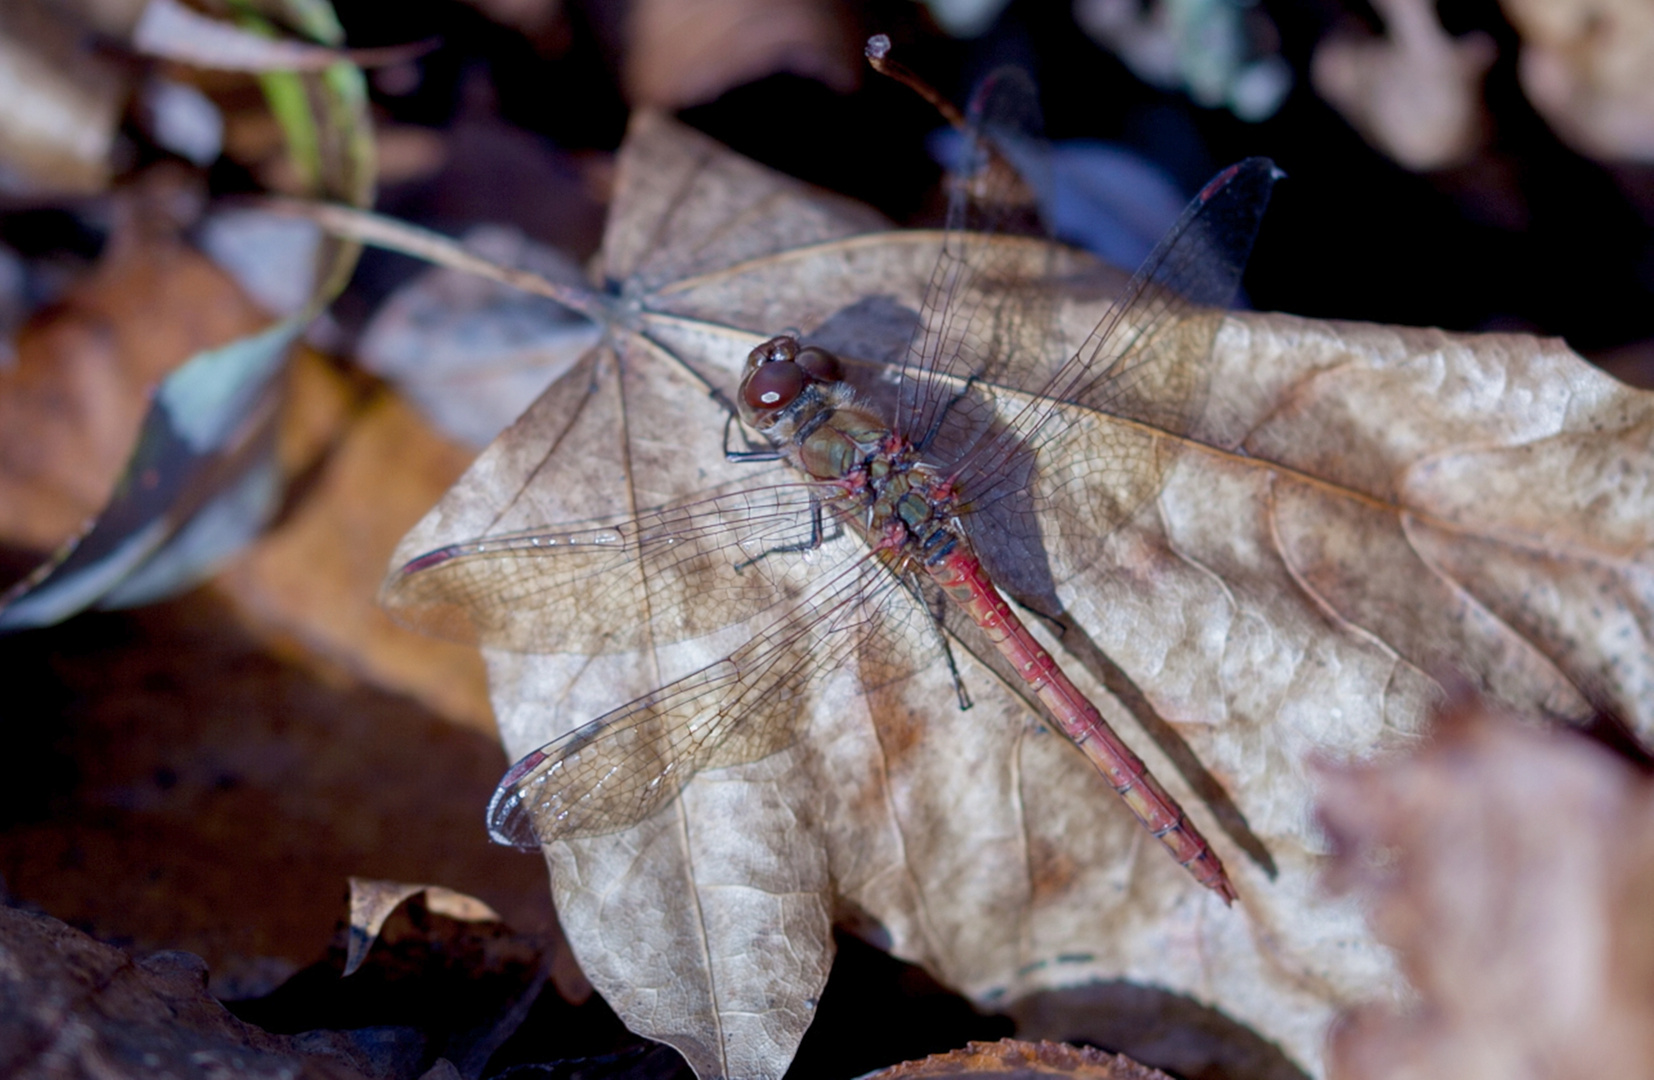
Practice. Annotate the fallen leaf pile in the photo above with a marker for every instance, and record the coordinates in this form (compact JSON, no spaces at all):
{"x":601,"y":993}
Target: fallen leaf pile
{"x":71,"y":406}
{"x":198,"y":478}
{"x":1357,"y":516}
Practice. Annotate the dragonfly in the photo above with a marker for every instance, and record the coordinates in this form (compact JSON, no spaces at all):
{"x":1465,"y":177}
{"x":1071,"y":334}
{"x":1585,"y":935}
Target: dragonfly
{"x":912,"y":497}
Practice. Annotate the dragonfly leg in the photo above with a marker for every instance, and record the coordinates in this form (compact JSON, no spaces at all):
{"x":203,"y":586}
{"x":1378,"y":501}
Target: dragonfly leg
{"x":819,"y":534}
{"x":942,"y":414}
{"x":753,"y":453}
{"x":1054,"y":623}
{"x":934,"y":605}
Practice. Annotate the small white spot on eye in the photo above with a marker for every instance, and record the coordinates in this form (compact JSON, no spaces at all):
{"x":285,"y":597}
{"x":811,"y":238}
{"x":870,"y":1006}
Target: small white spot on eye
{"x":770,"y":398}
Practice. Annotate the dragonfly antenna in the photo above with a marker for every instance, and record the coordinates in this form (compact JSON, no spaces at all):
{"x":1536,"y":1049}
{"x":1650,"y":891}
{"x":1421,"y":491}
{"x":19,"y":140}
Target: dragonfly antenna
{"x":878,"y":56}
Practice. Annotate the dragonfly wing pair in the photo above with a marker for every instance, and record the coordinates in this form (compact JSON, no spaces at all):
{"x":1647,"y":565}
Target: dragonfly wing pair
{"x":672,"y":574}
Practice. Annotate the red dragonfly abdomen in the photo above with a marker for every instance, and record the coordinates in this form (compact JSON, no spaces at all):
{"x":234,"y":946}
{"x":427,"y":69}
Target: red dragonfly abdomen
{"x":961,"y":576}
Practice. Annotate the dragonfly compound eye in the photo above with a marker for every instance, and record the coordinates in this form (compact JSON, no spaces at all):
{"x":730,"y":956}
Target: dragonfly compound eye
{"x":773,"y":385}
{"x":819,"y":364}
{"x":775,"y":349}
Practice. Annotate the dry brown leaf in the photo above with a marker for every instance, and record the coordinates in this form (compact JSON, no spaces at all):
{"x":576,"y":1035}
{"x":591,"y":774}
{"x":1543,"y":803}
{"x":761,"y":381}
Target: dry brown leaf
{"x":172,"y":31}
{"x":1356,"y":507}
{"x":1415,"y":96}
{"x":687,"y":53}
{"x":314,"y":577}
{"x":1013,"y":1058}
{"x":1588,"y":68}
{"x":1510,"y":869}
{"x":63,"y":104}
{"x":469,"y":351}
{"x":1148,"y":1024}
{"x":372,"y":901}
{"x":77,"y":1007}
{"x":72,"y":405}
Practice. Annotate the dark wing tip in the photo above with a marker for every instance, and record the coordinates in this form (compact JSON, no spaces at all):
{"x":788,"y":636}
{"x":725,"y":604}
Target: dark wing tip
{"x":428,"y":560}
{"x":420,"y":595}
{"x":393,"y":590}
{"x":509,"y":824}
{"x":1242,"y":174}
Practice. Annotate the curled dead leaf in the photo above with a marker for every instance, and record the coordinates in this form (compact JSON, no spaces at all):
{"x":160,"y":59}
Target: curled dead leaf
{"x":682,"y":54}
{"x":372,"y":901}
{"x":1417,"y":95}
{"x":1509,"y":867}
{"x":71,"y":407}
{"x":63,"y":103}
{"x":1018,"y":1060}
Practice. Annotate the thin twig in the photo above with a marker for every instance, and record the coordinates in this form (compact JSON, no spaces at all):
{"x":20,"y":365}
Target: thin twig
{"x":382,"y":232}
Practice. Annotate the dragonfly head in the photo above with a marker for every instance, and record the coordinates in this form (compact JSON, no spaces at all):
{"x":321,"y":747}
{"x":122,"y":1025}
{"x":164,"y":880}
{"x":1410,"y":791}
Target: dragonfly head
{"x":777,"y":374}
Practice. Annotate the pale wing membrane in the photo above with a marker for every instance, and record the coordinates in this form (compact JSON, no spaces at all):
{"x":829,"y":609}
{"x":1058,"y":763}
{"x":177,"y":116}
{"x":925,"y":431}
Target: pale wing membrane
{"x":1121,"y":368}
{"x":619,"y":769}
{"x":971,"y":313}
{"x":1147,"y":361}
{"x":619,"y":584}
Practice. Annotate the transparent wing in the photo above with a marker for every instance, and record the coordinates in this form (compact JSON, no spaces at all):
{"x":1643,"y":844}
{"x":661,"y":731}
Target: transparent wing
{"x":1146,"y":361}
{"x":617,"y":770}
{"x":991,"y":384}
{"x":993,"y":194}
{"x":622,"y":583}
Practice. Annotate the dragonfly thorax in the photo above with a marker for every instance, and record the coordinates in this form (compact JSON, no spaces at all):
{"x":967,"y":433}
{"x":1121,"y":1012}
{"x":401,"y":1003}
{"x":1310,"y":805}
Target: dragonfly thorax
{"x":795,"y":395}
